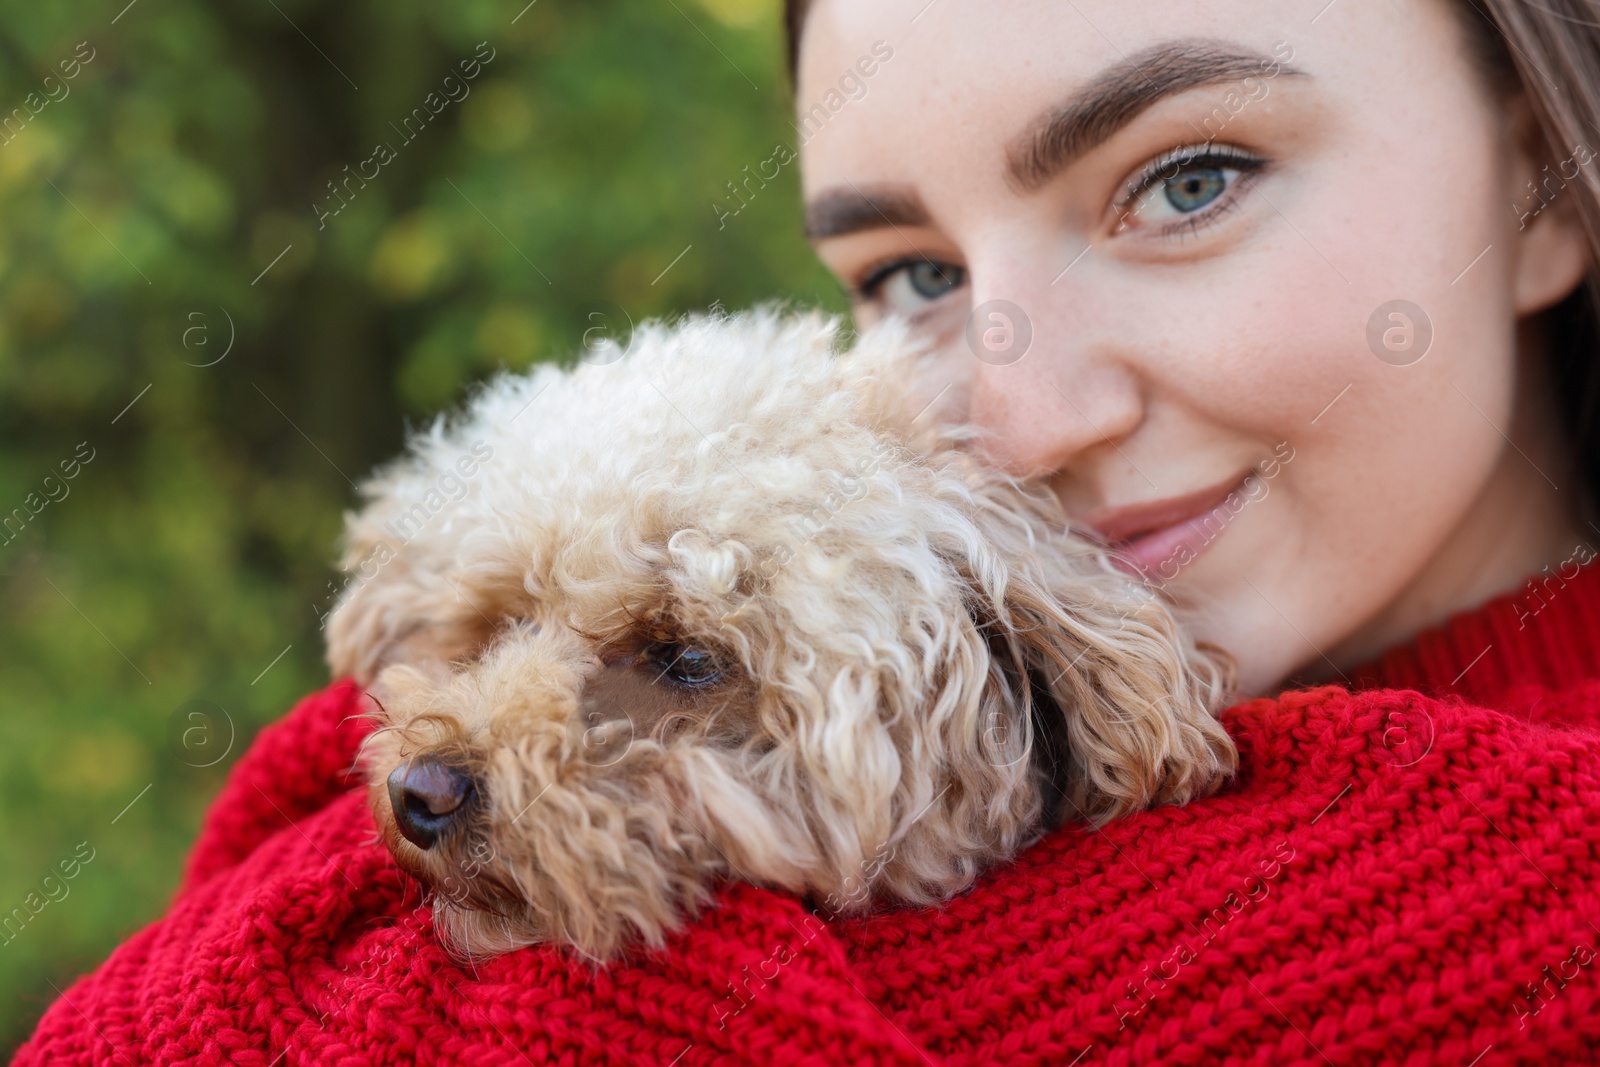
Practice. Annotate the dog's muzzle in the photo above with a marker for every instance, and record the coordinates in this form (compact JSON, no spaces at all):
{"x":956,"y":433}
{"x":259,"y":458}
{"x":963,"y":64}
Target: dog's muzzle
{"x":428,"y":795}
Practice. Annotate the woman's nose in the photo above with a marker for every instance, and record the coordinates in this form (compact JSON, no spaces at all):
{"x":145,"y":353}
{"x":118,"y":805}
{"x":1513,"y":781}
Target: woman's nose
{"x":1071,"y":394}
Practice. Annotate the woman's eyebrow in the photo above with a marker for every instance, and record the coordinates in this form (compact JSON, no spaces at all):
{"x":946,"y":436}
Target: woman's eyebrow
{"x":851,"y":209}
{"x":1120,"y":93}
{"x":1117,"y":96}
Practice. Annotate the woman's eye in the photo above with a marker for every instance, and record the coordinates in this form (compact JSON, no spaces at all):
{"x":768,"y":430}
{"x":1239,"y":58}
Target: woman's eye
{"x":685,"y":664}
{"x":1190,"y":190}
{"x":1196,"y":189}
{"x":905,"y":287}
{"x":1185,"y":184}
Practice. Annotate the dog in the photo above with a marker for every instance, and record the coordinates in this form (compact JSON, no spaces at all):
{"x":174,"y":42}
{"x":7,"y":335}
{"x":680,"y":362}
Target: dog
{"x":727,"y":605}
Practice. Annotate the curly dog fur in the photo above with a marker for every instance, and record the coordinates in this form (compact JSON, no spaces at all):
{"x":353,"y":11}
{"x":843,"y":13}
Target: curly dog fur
{"x":731,"y":606}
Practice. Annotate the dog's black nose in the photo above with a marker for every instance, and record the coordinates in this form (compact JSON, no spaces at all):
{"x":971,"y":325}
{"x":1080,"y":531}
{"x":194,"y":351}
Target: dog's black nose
{"x":427,"y":796}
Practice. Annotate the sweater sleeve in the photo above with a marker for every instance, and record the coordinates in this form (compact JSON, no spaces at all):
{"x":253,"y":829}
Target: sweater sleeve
{"x":294,"y":768}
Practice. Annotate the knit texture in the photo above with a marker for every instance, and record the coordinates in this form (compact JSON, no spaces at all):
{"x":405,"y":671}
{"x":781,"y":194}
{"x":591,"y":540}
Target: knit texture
{"x":1402,"y":874}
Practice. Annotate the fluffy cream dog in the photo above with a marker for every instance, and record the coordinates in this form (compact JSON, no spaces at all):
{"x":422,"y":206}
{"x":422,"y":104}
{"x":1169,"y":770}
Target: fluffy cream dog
{"x":730,"y":606}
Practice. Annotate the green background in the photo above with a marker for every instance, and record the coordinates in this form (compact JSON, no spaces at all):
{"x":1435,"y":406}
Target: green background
{"x":196,"y":547}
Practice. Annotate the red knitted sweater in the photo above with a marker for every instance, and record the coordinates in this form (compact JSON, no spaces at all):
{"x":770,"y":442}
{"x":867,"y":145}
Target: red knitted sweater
{"x":1393,"y":877}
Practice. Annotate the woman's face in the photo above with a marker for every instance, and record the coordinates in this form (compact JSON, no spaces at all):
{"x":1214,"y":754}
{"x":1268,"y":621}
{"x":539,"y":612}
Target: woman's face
{"x":1160,"y":247}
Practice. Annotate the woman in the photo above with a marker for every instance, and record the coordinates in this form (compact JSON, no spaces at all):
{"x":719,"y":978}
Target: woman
{"x":1200,"y":226}
{"x":1292,"y":307}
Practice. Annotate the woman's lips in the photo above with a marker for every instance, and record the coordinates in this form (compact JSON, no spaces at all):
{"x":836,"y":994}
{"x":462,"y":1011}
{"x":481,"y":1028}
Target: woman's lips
{"x":1161,"y":536}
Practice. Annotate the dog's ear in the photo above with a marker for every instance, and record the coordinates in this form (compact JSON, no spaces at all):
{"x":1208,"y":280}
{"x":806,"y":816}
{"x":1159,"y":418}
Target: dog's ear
{"x":406,"y":598}
{"x":1119,"y":700}
{"x":1115,"y":700}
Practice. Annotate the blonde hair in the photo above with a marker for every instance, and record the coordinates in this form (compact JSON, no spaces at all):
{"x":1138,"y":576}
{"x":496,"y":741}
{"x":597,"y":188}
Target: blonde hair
{"x":1551,"y":52}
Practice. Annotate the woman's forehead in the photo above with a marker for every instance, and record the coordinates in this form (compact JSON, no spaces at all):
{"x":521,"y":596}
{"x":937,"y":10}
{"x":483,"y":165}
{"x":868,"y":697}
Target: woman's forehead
{"x":963,"y":82}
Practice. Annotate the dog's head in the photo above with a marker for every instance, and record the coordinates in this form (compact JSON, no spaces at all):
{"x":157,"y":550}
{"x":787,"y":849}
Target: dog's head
{"x":726,"y":608}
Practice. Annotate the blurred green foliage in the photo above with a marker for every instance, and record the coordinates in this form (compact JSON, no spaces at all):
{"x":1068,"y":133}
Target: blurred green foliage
{"x":167,"y":200}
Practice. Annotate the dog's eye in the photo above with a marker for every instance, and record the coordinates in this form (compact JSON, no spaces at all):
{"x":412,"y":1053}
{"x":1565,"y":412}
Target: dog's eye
{"x":685,"y":664}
